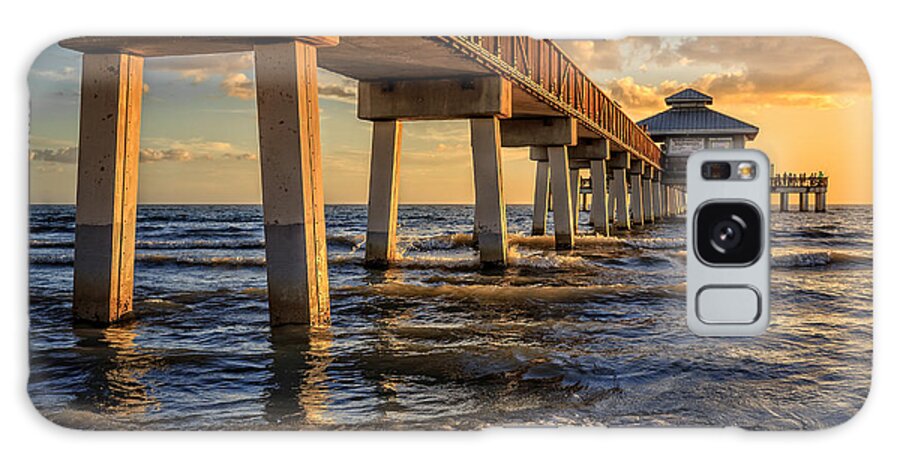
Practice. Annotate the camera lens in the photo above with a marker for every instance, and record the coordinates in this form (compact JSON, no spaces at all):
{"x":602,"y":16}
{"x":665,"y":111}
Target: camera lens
{"x":728,"y":233}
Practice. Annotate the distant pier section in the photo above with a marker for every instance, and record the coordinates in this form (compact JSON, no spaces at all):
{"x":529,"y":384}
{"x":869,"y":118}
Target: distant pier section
{"x":804,"y":185}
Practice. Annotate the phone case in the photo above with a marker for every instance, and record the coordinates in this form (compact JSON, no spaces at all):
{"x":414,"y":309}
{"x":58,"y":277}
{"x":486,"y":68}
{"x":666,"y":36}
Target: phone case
{"x":222,"y":235}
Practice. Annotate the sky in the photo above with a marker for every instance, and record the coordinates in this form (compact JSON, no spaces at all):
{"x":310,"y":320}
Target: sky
{"x":810,"y":97}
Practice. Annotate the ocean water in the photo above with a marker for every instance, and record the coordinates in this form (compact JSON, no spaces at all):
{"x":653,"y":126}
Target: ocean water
{"x":591,"y":337}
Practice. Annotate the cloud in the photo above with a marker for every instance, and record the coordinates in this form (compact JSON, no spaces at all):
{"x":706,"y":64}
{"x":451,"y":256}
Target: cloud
{"x":238,"y":85}
{"x":633,"y":95}
{"x":615,"y":55}
{"x":795,"y":64}
{"x":787,"y":71}
{"x":150,"y":155}
{"x":735,"y":88}
{"x":236,"y":71}
{"x":67,"y":73}
{"x":338,"y":92}
{"x":240,"y":156}
{"x":594,"y":54}
{"x":199,"y":68}
{"x":176,"y":151}
{"x":54,"y":155}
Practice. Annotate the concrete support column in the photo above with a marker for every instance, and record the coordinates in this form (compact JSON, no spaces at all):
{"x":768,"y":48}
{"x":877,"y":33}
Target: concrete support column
{"x":611,"y":198}
{"x":637,"y":200}
{"x":381,"y":231}
{"x":804,"y":201}
{"x":541,"y":195}
{"x":670,"y":196}
{"x":647,"y":196}
{"x":106,"y":197}
{"x":657,"y":198}
{"x":290,"y":157}
{"x":599,"y":197}
{"x":574,"y":186}
{"x":622,"y":199}
{"x":821,"y":205}
{"x":783,"y":203}
{"x":664,"y":200}
{"x":562,"y":198}
{"x":490,"y":206}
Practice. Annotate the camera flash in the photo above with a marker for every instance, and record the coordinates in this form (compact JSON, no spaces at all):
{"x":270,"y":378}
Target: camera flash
{"x":746,"y":170}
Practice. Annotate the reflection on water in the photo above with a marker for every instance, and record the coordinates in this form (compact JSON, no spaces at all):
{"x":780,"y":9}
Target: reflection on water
{"x":594,"y":336}
{"x":107,"y":368}
{"x":300,"y":360}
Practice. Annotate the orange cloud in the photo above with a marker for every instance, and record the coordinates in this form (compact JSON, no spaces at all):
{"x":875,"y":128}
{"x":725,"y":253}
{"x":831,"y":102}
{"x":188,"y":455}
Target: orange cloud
{"x":785,"y":71}
{"x":239,"y":85}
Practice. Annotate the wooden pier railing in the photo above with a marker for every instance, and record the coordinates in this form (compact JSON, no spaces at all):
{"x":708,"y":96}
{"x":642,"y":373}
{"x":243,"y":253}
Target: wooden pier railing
{"x":542,"y":69}
{"x":812,"y":182}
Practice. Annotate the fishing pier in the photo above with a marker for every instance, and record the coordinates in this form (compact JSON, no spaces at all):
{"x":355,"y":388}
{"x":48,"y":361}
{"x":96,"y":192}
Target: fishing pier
{"x":514,"y":91}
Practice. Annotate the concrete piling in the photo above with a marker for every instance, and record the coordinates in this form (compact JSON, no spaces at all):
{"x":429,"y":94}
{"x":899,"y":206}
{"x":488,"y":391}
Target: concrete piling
{"x":657,"y":195}
{"x":562,"y":199}
{"x":490,"y":205}
{"x":637,"y":193}
{"x":381,"y":230}
{"x":804,"y":202}
{"x":647,"y":195}
{"x":106,"y":203}
{"x":541,"y":194}
{"x":575,"y":186}
{"x":821,"y":204}
{"x":599,"y":197}
{"x":290,"y":157}
{"x":620,"y":163}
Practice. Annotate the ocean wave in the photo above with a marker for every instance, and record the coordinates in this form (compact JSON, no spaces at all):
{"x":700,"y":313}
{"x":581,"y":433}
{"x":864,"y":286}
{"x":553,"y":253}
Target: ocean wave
{"x":51,"y":243}
{"x":815,"y":258}
{"x":800,"y":258}
{"x":548,"y":261}
{"x":199,"y":244}
{"x":228,"y":261}
{"x":539,"y":261}
{"x":353,"y":241}
{"x":514,"y":294}
{"x":233,"y":261}
{"x":655,"y":243}
{"x":538,"y":242}
{"x":472,"y":263}
{"x":436,"y":242}
{"x":59,"y":259}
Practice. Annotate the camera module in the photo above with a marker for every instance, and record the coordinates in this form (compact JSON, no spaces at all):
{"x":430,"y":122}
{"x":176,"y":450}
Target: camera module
{"x":728,"y":233}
